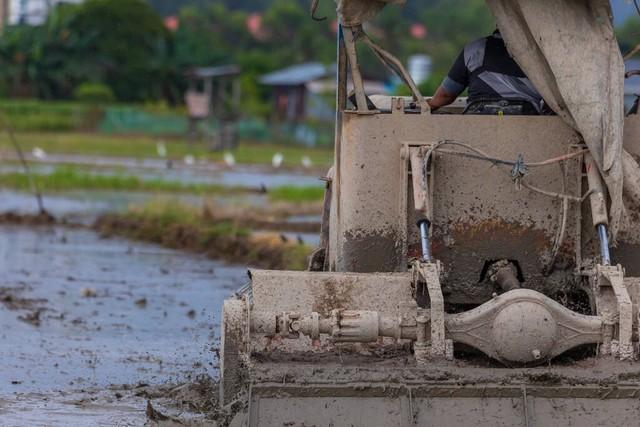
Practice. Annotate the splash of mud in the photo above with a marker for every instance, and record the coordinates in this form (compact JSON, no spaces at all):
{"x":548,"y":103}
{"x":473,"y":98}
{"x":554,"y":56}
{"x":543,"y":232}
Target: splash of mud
{"x":191,"y":404}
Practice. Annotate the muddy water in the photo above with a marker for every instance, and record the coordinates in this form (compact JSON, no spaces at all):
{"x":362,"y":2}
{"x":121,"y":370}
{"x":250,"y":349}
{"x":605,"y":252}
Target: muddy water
{"x":81,"y":317}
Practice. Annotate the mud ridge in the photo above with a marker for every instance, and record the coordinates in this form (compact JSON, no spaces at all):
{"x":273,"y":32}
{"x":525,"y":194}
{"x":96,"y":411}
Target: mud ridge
{"x":268,"y":252}
{"x":14,"y":218}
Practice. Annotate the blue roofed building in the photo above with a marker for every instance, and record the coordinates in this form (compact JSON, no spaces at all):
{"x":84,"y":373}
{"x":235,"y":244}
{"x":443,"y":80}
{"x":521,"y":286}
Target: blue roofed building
{"x":303,"y":99}
{"x":293,"y":101}
{"x":307,"y":91}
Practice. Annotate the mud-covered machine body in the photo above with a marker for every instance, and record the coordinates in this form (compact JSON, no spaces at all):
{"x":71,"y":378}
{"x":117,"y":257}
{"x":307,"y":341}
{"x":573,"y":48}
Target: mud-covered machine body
{"x":467,"y":278}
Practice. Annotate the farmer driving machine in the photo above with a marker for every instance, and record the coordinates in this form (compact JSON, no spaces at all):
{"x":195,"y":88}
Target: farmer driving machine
{"x":473,"y":270}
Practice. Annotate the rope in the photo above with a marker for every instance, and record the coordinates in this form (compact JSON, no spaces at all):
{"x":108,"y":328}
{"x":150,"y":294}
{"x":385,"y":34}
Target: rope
{"x":517,"y":174}
{"x":563,"y":225}
{"x":480,"y":155}
{"x":497,"y":161}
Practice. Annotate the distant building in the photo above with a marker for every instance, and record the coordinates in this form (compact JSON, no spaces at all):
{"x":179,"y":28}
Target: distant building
{"x":255,"y":27}
{"x":214,"y":92}
{"x":418,"y":31}
{"x":4,"y":13}
{"x":298,"y":92}
{"x":420,"y":68}
{"x":290,"y":94}
{"x":172,"y":23}
{"x":31,"y":12}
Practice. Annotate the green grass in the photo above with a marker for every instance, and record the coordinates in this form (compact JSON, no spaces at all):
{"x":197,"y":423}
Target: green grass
{"x":33,"y":115}
{"x":296,"y":194}
{"x":145,"y":147}
{"x":67,"y":178}
{"x":191,"y":229}
{"x":24,"y":115}
{"x":160,"y":215}
{"x":166,"y":212}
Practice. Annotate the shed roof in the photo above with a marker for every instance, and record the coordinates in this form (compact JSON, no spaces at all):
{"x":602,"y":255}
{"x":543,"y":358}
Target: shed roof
{"x":297,"y":74}
{"x":220,"y":71}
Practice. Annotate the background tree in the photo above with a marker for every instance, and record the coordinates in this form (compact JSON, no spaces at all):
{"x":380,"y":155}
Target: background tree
{"x":128,"y":42}
{"x":629,"y":34}
{"x":124,"y":44}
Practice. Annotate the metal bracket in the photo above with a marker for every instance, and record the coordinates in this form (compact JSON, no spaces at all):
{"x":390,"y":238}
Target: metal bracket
{"x":422,"y":201}
{"x":610,"y":279}
{"x":397,"y":105}
{"x":430,"y":273}
{"x":349,"y":34}
{"x":353,"y":34}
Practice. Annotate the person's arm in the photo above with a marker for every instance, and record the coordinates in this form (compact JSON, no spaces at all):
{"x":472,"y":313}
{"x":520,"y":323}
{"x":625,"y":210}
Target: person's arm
{"x":441,"y":98}
{"x":452,"y":85}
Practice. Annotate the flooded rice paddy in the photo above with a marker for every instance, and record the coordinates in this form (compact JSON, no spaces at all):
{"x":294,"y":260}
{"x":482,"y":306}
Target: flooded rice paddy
{"x":92,"y":328}
{"x":82,"y":316}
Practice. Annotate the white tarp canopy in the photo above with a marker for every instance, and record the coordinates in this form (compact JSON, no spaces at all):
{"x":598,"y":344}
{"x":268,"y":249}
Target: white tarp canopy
{"x":569,"y":51}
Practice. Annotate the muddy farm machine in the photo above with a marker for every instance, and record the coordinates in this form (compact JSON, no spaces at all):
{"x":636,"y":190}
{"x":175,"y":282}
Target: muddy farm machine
{"x":474,"y":270}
